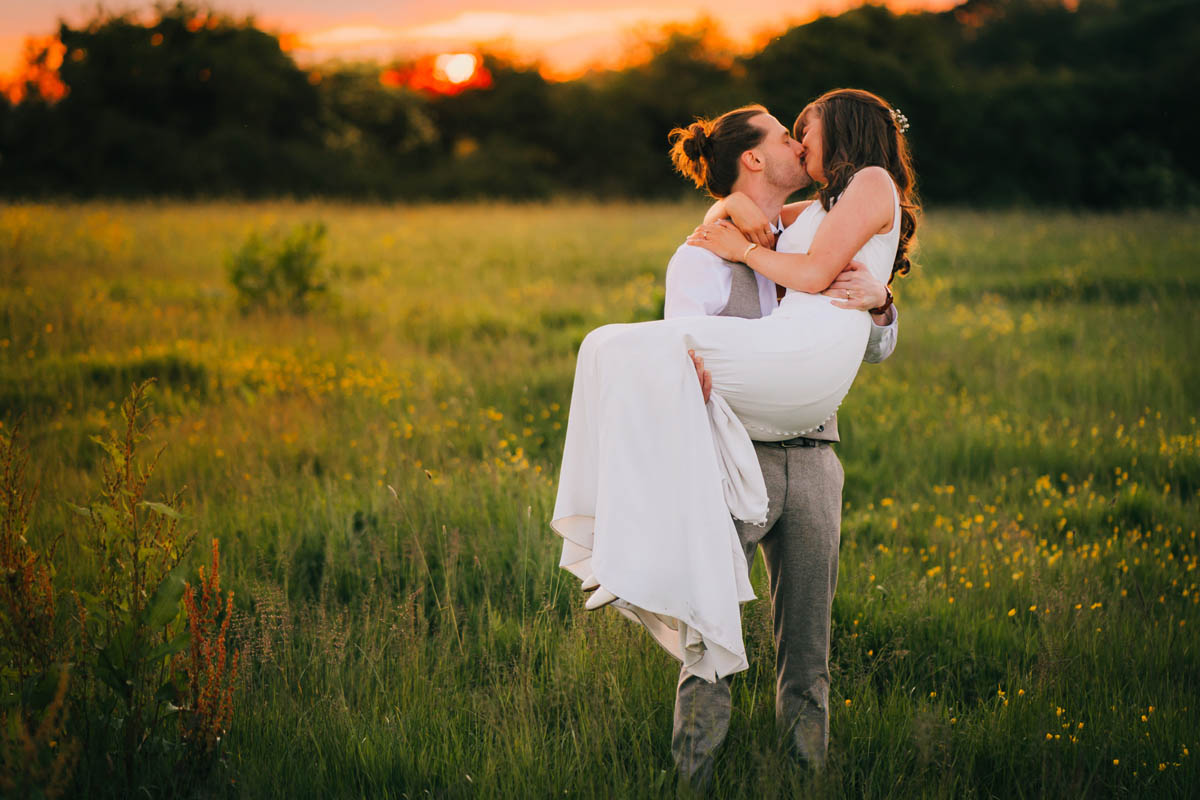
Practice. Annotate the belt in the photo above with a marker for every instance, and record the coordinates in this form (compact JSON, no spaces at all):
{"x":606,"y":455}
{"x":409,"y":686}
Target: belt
{"x":799,"y":441}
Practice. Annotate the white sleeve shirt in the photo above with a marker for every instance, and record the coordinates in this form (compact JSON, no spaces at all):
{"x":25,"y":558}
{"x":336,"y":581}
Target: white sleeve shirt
{"x":882,"y":342}
{"x":699,"y":281}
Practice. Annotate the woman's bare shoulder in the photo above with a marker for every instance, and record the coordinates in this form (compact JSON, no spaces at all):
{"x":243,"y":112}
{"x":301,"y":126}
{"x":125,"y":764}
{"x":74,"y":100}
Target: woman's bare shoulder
{"x":872,"y":179}
{"x":793,"y":210}
{"x":870,"y":192}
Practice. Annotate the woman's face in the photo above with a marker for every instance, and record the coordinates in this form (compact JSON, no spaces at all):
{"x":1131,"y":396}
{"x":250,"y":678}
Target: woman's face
{"x":813,"y":156}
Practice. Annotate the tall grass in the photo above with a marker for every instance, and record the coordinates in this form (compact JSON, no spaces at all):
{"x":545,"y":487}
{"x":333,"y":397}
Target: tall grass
{"x":1017,"y":606}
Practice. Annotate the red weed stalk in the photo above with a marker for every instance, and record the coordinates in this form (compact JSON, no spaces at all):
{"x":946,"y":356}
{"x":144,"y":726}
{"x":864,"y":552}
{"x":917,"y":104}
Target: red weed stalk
{"x":211,"y":672}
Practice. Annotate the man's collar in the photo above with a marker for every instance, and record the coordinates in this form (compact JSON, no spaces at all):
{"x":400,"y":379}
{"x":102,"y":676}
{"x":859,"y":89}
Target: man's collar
{"x":777,"y":225}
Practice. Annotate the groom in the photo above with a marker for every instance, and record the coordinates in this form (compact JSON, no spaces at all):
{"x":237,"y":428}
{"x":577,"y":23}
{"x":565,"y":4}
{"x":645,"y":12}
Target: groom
{"x":803,"y":475}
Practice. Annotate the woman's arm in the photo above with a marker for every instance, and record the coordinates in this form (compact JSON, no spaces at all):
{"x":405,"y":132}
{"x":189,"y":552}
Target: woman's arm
{"x":863,"y":210}
{"x":716,"y":211}
{"x":746,"y":215}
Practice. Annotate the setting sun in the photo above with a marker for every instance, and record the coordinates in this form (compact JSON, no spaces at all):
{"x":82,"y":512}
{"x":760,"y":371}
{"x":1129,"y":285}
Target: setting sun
{"x":445,"y":74}
{"x":455,"y":67}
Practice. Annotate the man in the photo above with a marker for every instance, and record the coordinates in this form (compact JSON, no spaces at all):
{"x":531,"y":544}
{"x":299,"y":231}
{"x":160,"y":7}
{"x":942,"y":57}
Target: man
{"x":803,"y":475}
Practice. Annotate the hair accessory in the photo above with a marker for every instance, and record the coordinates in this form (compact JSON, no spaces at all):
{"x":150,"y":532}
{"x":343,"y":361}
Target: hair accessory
{"x":899,"y":118}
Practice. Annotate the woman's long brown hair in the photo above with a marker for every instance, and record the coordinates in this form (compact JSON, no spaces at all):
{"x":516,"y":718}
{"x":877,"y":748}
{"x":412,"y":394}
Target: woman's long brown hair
{"x":858,"y":129}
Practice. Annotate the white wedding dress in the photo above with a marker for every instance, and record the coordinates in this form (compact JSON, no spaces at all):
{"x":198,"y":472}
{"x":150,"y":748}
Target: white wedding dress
{"x":650,"y":474}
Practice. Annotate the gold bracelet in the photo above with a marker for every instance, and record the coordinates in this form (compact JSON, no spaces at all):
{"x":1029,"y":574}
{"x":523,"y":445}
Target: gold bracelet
{"x":746,"y":254}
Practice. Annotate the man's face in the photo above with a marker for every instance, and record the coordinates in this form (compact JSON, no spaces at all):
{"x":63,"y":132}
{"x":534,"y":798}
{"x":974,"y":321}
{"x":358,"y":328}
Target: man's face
{"x":779,"y":154}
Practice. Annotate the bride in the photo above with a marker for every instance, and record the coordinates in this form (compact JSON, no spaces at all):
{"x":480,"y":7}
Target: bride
{"x":650,"y":472}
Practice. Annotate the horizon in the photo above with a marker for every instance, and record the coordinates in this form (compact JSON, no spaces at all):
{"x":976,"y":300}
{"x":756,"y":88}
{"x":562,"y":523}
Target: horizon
{"x":565,"y":41}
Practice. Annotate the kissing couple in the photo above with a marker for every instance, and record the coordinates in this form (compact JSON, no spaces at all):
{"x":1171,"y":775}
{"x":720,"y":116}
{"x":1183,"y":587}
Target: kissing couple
{"x":726,"y":409}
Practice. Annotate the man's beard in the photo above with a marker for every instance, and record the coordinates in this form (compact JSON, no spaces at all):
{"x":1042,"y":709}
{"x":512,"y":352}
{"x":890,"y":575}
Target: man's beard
{"x":793,"y":177}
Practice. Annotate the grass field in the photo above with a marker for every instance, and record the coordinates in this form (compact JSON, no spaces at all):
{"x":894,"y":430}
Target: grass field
{"x":1018,"y":608}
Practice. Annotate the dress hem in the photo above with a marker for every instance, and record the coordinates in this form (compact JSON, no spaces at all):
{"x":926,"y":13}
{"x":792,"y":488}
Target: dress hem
{"x":684,"y":639}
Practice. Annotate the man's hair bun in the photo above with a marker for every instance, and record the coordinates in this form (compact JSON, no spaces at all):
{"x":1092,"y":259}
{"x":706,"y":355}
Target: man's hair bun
{"x":689,"y":151}
{"x":700,"y":138}
{"x":707,"y":151}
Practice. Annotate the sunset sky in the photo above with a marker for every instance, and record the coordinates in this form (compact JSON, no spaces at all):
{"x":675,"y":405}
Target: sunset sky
{"x":564,"y":37}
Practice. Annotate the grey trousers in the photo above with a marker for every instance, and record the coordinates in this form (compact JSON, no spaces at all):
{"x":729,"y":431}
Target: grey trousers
{"x":800,"y":548}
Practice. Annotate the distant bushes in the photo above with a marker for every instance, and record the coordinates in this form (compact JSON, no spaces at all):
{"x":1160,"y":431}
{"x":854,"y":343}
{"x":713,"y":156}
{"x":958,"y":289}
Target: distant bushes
{"x":1011,"y":101}
{"x":280,"y":272}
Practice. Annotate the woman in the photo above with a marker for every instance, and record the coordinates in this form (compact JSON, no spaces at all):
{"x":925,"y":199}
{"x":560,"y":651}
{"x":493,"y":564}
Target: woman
{"x":650,"y":474}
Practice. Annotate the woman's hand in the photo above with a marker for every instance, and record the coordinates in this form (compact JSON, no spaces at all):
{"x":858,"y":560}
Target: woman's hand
{"x":750,"y":220}
{"x":721,"y":238}
{"x":856,"y":288}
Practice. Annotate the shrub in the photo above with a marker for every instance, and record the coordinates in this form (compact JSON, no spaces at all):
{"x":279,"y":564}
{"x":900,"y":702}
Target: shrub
{"x":115,"y":655}
{"x":127,"y":621}
{"x":280,"y":273}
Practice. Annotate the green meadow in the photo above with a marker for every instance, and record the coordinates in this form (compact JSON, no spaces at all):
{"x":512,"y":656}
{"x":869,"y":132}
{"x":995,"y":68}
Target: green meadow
{"x":1018,"y":607}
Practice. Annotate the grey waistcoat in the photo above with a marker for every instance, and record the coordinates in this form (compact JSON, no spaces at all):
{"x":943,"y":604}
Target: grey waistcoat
{"x":743,"y":302}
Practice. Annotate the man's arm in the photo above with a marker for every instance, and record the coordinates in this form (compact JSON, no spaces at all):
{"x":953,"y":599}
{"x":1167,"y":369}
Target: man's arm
{"x":882,"y":342}
{"x":697,"y":283}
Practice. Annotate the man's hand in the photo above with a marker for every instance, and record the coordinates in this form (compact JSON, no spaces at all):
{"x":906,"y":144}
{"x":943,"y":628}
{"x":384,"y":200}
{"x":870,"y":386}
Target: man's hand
{"x":856,"y":288}
{"x":703,"y":375}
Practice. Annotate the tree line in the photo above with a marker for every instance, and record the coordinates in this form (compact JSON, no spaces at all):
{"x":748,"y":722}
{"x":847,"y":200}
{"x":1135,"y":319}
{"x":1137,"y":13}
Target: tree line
{"x":1089,"y":103}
